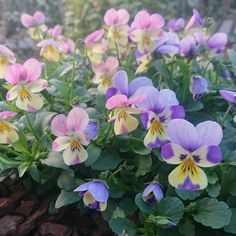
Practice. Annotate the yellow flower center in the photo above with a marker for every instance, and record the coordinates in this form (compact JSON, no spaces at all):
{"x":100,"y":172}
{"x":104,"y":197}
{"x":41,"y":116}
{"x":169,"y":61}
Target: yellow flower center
{"x":75,"y":145}
{"x":188,"y":165}
{"x":146,"y":40}
{"x":122,"y":115}
{"x":24,"y":94}
{"x":3,"y":60}
{"x":156,"y":126}
{"x":4,"y":128}
{"x":116,"y":35}
{"x":106,"y":81}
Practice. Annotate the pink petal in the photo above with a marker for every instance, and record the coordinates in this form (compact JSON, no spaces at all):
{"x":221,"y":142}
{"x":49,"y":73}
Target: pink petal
{"x":77,"y":120}
{"x":26,"y":20}
{"x":94,"y":37}
{"x":157,"y":21}
{"x":111,"y":64}
{"x":116,"y":101}
{"x":58,"y":125}
{"x":123,"y":17}
{"x":7,"y":114}
{"x":15,"y":73}
{"x":142,"y":20}
{"x":136,"y":99}
{"x":33,"y":68}
{"x":111,"y":17}
{"x":39,"y":17}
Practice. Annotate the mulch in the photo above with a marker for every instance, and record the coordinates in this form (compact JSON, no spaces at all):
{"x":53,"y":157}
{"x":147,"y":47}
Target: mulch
{"x":23,"y":213}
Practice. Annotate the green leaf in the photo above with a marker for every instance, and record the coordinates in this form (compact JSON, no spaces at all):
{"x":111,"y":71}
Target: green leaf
{"x":143,"y":206}
{"x":121,"y":225}
{"x":231,"y":227}
{"x":22,"y":168}
{"x":34,"y":172}
{"x":108,"y":160}
{"x":188,"y":195}
{"x":143,"y":164}
{"x":232,"y":56}
{"x":93,"y":154}
{"x":128,"y":206}
{"x":55,"y":159}
{"x":65,"y":198}
{"x":141,"y":150}
{"x":211,"y":212}
{"x":213,"y":190}
{"x":66,"y":180}
{"x":186,"y":227}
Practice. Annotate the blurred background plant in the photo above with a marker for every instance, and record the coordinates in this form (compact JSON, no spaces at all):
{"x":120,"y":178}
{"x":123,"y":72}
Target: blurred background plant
{"x":80,"y":17}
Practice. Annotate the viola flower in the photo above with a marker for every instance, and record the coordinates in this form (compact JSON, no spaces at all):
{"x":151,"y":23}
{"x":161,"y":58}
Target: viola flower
{"x":55,"y":32}
{"x":217,"y":41}
{"x":160,"y":107}
{"x":95,"y":195}
{"x":51,"y":49}
{"x":92,"y":130}
{"x":187,"y":45}
{"x":189,"y":148}
{"x":176,"y":25}
{"x":228,"y":95}
{"x":121,"y":84}
{"x":71,"y":135}
{"x":6,"y":57}
{"x":104,"y":73}
{"x":118,"y":29}
{"x":8,"y":132}
{"x":195,"y":19}
{"x":198,"y":86}
{"x":26,"y":84}
{"x":146,"y":30}
{"x":95,"y":47}
{"x":68,"y":46}
{"x":37,"y":18}
{"x":122,"y":117}
{"x":152,"y":193}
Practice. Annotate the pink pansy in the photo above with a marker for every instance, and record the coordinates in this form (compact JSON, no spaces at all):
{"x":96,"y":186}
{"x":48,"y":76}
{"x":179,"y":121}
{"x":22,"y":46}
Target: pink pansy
{"x":68,"y":46}
{"x":94,"y":37}
{"x":71,"y":135}
{"x":51,"y":49}
{"x":6,"y":57}
{"x":26,"y":83}
{"x":104,"y":73}
{"x":8,"y":132}
{"x":124,"y":122}
{"x":146,"y":30}
{"x":55,"y":31}
{"x":116,"y":17}
{"x":37,"y":18}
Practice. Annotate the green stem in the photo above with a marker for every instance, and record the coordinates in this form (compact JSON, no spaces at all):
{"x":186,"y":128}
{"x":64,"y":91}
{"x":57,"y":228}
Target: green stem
{"x":4,"y":148}
{"x":31,"y":126}
{"x":226,"y":114}
{"x":108,"y":132}
{"x":117,"y":53}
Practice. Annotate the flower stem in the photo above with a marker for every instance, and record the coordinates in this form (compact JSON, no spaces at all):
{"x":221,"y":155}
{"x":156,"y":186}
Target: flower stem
{"x":4,"y":148}
{"x":31,"y":126}
{"x":118,"y":53}
{"x":226,"y":114}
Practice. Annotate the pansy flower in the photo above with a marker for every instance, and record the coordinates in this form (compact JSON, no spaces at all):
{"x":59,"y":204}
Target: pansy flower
{"x":26,"y":84}
{"x":176,"y":25}
{"x":195,"y":19}
{"x":217,"y":41}
{"x":187,"y":45}
{"x":228,"y":96}
{"x":121,"y":85}
{"x":8,"y":132}
{"x":6,"y":57}
{"x":146,"y":30}
{"x":198,"y":86}
{"x":121,"y":115}
{"x":118,"y":29}
{"x":71,"y":135}
{"x":95,"y":194}
{"x":95,"y":46}
{"x":160,"y":107}
{"x":51,"y":49}
{"x":192,"y":147}
{"x":152,"y":193}
{"x":55,"y":32}
{"x":104,"y":73}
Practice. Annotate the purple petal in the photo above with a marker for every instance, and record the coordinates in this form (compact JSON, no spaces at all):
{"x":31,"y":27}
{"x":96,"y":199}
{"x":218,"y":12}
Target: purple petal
{"x":83,"y":187}
{"x":111,"y":92}
{"x":198,"y":85}
{"x":99,"y":191}
{"x":197,"y":16}
{"x":158,"y":193}
{"x":218,"y":40}
{"x":145,"y":120}
{"x":228,"y":95}
{"x":177,"y":112}
{"x":138,"y":83}
{"x":214,"y":154}
{"x":168,"y":49}
{"x":92,"y":130}
{"x":120,"y":82}
{"x":188,"y":185}
{"x":148,"y":190}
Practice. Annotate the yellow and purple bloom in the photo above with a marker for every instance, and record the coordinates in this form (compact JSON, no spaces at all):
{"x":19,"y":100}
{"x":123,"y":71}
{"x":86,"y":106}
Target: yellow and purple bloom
{"x":192,"y":147}
{"x":160,"y":107}
{"x":228,"y":96}
{"x":146,"y":30}
{"x":26,"y":84}
{"x":117,"y":22}
{"x":8,"y":132}
{"x":104,"y":73}
{"x":6,"y":57}
{"x":71,"y":135}
{"x":198,"y":86}
{"x":95,"y":194}
{"x":121,"y":115}
{"x":152,"y":193}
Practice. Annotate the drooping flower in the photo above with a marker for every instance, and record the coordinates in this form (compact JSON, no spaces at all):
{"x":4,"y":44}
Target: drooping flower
{"x":26,"y":84}
{"x":146,"y":30}
{"x":95,"y":46}
{"x":6,"y":57}
{"x":228,"y":95}
{"x":118,"y":29}
{"x":37,"y":18}
{"x":8,"y":132}
{"x":121,"y":115}
{"x":51,"y":49}
{"x":176,"y":25}
{"x":95,"y":194}
{"x":190,"y":147}
{"x":160,"y":107}
{"x":71,"y":135}
{"x":121,"y":84}
{"x":152,"y":193}
{"x":198,"y":86}
{"x":195,"y":19}
{"x":217,"y":41}
{"x":92,"y":130}
{"x":104,"y":73}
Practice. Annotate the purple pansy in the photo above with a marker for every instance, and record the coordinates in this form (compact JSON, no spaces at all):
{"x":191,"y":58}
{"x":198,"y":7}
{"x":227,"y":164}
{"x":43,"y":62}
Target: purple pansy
{"x":198,"y":86}
{"x":228,"y":95}
{"x":152,"y":193}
